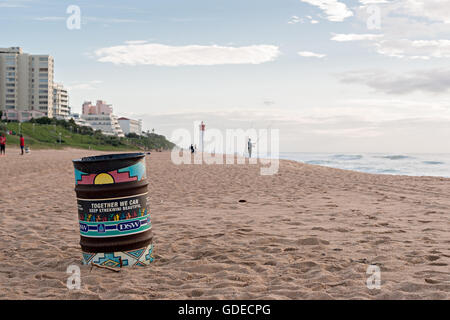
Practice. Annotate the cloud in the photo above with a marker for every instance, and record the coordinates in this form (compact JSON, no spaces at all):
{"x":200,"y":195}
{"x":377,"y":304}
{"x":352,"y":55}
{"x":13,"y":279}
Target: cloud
{"x":189,"y":55}
{"x":434,"y":10}
{"x":50,"y":18}
{"x":366,"y":2}
{"x":311,"y":54}
{"x":413,"y":29}
{"x":311,"y":20}
{"x":416,"y":49}
{"x":110,"y":20}
{"x":269,"y":102}
{"x":366,"y":125}
{"x":13,"y":4}
{"x":88,"y":19}
{"x":367,"y":132}
{"x":89,"y":85}
{"x":355,"y":37}
{"x":136,"y":41}
{"x":295,"y":20}
{"x":408,"y":18}
{"x":434,"y":81}
{"x":336,"y":11}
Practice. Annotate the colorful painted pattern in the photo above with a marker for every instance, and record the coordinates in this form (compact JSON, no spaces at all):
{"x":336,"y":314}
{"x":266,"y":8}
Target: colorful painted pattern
{"x":135,"y":172}
{"x":84,"y":215}
{"x":137,"y":257}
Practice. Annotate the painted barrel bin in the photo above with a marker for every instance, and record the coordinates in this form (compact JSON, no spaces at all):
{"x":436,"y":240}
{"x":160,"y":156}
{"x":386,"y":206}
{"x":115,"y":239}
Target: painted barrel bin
{"x":113,"y":210}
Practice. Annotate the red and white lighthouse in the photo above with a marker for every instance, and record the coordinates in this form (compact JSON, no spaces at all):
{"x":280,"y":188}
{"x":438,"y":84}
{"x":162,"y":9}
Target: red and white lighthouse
{"x":202,"y":136}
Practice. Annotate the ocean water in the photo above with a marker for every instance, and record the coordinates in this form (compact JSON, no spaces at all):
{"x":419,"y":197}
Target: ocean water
{"x":436,"y":165}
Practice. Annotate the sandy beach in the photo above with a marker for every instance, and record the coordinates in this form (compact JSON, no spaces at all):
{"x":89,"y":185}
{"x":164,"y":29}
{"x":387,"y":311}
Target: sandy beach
{"x":308,"y":232}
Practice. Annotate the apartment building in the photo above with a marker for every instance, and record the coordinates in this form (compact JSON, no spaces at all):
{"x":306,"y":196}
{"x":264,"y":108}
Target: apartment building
{"x":79,"y":120}
{"x":130,"y":125}
{"x":61,"y":107}
{"x":100,"y":117}
{"x":26,"y":84}
{"x":101,"y":107}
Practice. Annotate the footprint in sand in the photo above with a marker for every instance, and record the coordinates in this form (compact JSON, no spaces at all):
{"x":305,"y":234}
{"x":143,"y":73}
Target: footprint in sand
{"x":431,"y":281}
{"x":342,"y":229}
{"x":312,"y":241}
{"x":432,"y":258}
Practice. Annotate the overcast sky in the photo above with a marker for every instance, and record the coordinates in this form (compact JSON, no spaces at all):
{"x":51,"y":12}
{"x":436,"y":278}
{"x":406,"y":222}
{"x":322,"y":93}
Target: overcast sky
{"x":331,"y":75}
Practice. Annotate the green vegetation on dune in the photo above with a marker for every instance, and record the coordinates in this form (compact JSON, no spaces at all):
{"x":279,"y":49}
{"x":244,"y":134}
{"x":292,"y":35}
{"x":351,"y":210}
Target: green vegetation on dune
{"x":47,"y":133}
{"x":150,"y":141}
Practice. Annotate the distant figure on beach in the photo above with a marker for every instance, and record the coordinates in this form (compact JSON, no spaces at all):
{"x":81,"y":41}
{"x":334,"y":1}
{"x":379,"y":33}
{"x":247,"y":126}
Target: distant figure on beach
{"x":250,"y":147}
{"x":192,"y":148}
{"x":2,"y":144}
{"x":22,"y":143}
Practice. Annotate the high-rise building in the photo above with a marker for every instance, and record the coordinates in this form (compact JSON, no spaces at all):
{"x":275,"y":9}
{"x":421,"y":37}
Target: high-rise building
{"x":61,"y":107}
{"x":26,"y":84}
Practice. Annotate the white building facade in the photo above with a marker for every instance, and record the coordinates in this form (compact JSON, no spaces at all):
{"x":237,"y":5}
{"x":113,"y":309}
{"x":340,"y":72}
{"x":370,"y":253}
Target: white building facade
{"x":79,"y":121}
{"x":61,"y":109}
{"x":100,"y":117}
{"x":26,"y":84}
{"x":130,"y":126}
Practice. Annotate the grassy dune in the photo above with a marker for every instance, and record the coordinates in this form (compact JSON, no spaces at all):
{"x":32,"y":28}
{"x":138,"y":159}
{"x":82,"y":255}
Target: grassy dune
{"x":50,"y":136}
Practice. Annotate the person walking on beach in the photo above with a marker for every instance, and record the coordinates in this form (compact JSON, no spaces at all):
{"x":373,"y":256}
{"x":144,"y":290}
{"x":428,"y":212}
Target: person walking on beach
{"x":22,"y":143}
{"x":249,"y":145}
{"x":2,"y":144}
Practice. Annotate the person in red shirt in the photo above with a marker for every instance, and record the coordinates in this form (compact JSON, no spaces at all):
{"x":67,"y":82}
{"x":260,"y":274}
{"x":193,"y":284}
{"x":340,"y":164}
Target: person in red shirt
{"x":2,"y":144}
{"x":22,"y":143}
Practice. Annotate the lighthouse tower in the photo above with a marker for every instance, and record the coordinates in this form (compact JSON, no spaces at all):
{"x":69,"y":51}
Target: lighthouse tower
{"x":202,"y":136}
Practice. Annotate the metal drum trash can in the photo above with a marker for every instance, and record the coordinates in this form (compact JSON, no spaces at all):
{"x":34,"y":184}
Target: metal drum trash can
{"x":113,"y":211}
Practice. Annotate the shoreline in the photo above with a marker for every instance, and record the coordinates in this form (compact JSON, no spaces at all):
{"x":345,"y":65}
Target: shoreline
{"x":321,"y":166}
{"x":68,"y":148}
{"x":417,"y":165}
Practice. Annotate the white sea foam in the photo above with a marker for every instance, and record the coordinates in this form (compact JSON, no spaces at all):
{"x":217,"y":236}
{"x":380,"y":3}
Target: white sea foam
{"x":399,"y":164}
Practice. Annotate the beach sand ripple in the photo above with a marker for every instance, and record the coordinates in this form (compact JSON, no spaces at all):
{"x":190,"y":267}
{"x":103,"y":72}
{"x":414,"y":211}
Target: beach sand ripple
{"x":308,"y":232}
